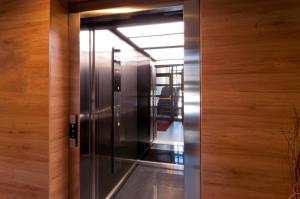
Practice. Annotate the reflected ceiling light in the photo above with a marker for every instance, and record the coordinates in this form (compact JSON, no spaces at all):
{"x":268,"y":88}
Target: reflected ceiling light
{"x":159,"y":41}
{"x":120,"y":10}
{"x":153,"y":29}
{"x":166,"y":53}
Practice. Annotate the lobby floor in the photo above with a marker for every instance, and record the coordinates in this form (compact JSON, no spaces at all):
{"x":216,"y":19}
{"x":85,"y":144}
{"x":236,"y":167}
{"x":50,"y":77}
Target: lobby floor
{"x":153,"y":183}
{"x":172,"y":136}
{"x":165,"y":153}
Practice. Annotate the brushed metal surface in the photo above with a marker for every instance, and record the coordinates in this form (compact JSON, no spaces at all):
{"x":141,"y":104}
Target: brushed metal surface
{"x":117,"y":107}
{"x":144,"y":112}
{"x":104,"y":151}
{"x":104,"y":120}
{"x":129,"y":132}
{"x":192,"y":103}
{"x":85,"y":117}
{"x":153,"y":128}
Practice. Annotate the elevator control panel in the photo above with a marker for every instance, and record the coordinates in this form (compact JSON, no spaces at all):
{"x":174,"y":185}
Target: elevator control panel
{"x":116,"y":64}
{"x":73,"y":128}
{"x":117,"y":70}
{"x":117,"y":76}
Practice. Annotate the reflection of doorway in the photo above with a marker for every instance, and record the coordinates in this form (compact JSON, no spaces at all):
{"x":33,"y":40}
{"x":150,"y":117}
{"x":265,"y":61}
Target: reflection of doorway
{"x":164,"y":42}
{"x":168,"y":143}
{"x":169,"y":101}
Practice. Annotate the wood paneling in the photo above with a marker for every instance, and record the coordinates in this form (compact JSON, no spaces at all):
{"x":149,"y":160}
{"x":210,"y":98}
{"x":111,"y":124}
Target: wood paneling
{"x":34,"y":99}
{"x":74,"y":58}
{"x":250,"y":85}
{"x":24,"y":49}
{"x":59,"y":102}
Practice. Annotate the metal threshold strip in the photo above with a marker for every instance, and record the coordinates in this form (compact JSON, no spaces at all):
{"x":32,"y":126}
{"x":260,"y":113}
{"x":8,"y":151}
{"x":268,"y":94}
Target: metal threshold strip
{"x":123,"y":180}
{"x":162,"y":165}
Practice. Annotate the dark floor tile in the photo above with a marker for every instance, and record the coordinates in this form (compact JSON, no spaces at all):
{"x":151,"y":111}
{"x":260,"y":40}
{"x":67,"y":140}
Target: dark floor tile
{"x":165,"y":156}
{"x":153,"y":183}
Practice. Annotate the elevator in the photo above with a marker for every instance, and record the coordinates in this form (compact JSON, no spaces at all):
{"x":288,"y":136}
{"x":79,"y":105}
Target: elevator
{"x":115,"y":110}
{"x":118,"y":108}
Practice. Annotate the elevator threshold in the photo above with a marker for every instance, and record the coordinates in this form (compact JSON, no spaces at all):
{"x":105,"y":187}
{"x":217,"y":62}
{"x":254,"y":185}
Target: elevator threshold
{"x":162,"y":165}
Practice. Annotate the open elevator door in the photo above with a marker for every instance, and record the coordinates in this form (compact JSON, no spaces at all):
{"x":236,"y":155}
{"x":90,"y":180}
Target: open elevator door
{"x":115,"y":86}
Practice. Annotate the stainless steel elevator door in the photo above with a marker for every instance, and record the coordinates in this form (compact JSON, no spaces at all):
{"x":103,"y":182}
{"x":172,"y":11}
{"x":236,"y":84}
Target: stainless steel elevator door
{"x":117,"y":107}
{"x":109,"y":134}
{"x":85,"y":114}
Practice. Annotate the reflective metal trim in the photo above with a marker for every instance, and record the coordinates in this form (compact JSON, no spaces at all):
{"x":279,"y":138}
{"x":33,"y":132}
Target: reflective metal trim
{"x":192,"y":104}
{"x":161,"y":165}
{"x":120,"y":184}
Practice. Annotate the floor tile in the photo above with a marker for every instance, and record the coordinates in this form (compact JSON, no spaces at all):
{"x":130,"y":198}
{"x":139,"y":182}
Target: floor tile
{"x":153,"y":183}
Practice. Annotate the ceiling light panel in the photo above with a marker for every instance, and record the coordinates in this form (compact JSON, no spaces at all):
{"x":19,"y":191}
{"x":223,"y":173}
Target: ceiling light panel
{"x":159,"y":41}
{"x":166,"y":53}
{"x":167,"y":62}
{"x":153,"y":29}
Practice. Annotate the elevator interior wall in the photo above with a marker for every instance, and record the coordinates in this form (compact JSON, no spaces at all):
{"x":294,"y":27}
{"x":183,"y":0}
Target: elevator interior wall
{"x":144,"y":109}
{"x":115,"y":110}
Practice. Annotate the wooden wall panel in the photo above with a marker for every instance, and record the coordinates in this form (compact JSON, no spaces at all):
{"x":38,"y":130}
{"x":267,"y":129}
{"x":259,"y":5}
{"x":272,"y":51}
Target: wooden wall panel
{"x":250,"y":85}
{"x":24,"y":49}
{"x":34,"y":99}
{"x":59,"y":102}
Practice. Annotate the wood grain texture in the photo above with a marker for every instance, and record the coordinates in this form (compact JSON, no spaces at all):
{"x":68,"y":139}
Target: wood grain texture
{"x":250,"y":85}
{"x":59,"y":102}
{"x":74,"y":59}
{"x":24,"y":61}
{"x":34,"y":99}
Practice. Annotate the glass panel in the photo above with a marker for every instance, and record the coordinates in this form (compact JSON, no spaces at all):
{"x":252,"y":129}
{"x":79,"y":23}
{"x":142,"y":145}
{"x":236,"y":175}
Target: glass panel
{"x":163,"y":70}
{"x":153,"y":29}
{"x":166,"y":53}
{"x":162,"y":80}
{"x":158,"y":41}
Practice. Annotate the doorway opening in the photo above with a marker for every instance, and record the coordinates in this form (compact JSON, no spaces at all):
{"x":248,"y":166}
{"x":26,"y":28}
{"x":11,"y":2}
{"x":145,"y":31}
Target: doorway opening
{"x":132,"y":95}
{"x":164,"y":42}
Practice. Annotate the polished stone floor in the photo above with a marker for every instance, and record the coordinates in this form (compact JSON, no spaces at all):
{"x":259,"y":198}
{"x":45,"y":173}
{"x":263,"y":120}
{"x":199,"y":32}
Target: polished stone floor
{"x":153,"y":183}
{"x":172,"y":136}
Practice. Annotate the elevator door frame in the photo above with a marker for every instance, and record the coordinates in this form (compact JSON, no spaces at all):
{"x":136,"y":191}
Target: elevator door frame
{"x":192,"y":81}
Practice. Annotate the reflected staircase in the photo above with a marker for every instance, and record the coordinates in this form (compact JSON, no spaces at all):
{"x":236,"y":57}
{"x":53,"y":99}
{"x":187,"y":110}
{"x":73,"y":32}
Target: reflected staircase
{"x":170,"y":98}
